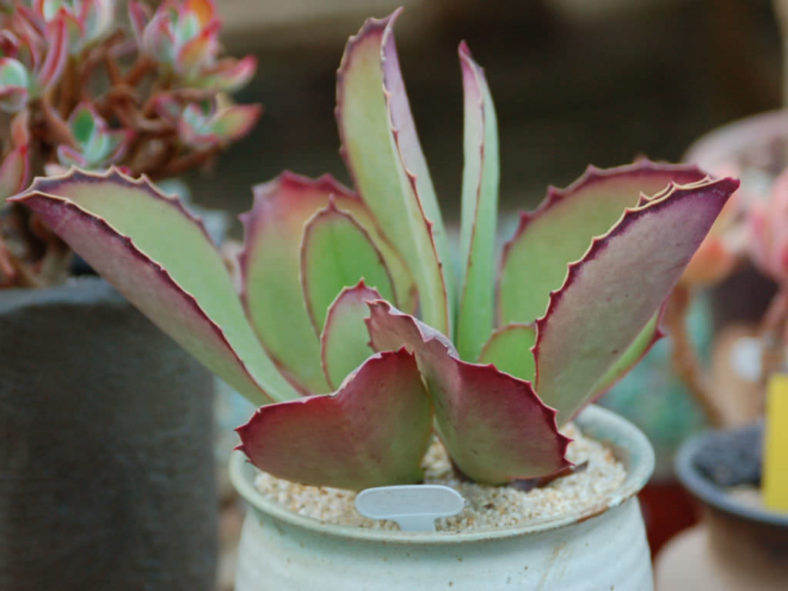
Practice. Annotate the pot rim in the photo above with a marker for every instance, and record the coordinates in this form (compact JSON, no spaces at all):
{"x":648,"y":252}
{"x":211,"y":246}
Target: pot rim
{"x":711,"y":494}
{"x":630,"y":446}
{"x":722,"y":143}
{"x":75,"y":291}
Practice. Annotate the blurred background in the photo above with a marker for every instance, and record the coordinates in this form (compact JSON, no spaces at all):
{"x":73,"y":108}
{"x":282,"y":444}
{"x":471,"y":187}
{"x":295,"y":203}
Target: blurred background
{"x":574,"y":81}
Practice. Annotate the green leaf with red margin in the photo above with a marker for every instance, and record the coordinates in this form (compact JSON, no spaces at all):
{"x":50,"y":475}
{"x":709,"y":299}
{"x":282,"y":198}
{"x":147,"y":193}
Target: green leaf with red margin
{"x":509,"y":350}
{"x":374,"y":431}
{"x":560,"y":231}
{"x":336,"y":252}
{"x":479,"y":212}
{"x":495,"y":428}
{"x":634,"y":353}
{"x":270,"y":266}
{"x":344,"y":342}
{"x":616,"y":289}
{"x":381,"y":149}
{"x":151,"y":249}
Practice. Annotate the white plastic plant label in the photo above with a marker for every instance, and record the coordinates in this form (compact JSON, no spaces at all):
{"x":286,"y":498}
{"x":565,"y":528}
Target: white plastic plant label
{"x":414,"y":507}
{"x":746,"y":355}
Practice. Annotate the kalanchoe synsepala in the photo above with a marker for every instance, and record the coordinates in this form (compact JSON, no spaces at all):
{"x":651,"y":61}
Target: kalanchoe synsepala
{"x":91,"y":97}
{"x":353,"y":290}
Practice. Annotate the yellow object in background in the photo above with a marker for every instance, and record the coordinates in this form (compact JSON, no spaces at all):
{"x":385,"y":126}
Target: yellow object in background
{"x":775,"y":445}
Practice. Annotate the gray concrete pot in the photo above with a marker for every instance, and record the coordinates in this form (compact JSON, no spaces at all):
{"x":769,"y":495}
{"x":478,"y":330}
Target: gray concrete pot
{"x":106,"y":468}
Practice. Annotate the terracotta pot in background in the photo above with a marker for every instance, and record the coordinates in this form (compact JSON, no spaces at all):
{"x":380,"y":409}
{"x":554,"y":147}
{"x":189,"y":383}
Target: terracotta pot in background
{"x":738,"y":545}
{"x":106,"y":451}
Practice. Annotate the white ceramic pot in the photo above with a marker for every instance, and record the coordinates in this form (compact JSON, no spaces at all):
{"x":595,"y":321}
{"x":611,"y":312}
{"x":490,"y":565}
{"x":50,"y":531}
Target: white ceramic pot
{"x":603,"y":547}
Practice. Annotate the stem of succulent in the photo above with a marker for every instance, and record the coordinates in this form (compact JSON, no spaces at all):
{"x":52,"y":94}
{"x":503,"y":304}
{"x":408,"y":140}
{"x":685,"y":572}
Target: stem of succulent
{"x":56,"y":127}
{"x":113,"y":70}
{"x":7,"y":270}
{"x":772,"y":331}
{"x":152,"y":157}
{"x":142,"y":66}
{"x":186,"y":162}
{"x":684,"y":358}
{"x":68,"y":88}
{"x":29,"y":255}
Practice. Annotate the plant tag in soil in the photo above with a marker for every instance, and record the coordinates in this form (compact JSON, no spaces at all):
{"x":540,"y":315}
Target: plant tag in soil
{"x":775,"y":445}
{"x":414,"y":507}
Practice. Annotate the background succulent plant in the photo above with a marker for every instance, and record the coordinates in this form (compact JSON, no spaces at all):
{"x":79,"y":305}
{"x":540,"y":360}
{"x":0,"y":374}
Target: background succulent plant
{"x":76,"y":90}
{"x":354,"y":290}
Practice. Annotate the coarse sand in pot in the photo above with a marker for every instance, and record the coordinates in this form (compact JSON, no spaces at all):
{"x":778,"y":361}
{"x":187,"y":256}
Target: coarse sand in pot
{"x":487,"y":507}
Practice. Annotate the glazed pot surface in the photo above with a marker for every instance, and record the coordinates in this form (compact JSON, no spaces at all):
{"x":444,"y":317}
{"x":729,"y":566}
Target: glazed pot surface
{"x":601,"y":547}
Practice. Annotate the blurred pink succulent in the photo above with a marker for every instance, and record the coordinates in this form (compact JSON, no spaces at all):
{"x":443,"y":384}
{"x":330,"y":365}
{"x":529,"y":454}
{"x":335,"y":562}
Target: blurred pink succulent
{"x":15,"y":163}
{"x":768,"y":231}
{"x":96,"y":97}
{"x":215,"y":125}
{"x":31,"y":58}
{"x":96,"y":145}
{"x":184,"y":36}
{"x":87,"y":21}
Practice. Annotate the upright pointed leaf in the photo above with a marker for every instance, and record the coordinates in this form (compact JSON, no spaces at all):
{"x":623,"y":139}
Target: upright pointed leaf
{"x":615,"y":290}
{"x":559,"y":232}
{"x":634,"y":353}
{"x":344,"y":342}
{"x":374,"y":431}
{"x":336,"y":252}
{"x":479,"y":211}
{"x":494,"y":426}
{"x":162,"y":260}
{"x":270,"y":266}
{"x":380,"y":146}
{"x":509,"y":350}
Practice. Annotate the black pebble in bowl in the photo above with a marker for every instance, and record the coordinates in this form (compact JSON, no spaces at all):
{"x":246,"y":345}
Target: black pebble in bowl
{"x":732,"y":457}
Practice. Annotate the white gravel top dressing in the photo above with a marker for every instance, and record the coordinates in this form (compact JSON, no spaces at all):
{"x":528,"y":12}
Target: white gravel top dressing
{"x":487,"y":507}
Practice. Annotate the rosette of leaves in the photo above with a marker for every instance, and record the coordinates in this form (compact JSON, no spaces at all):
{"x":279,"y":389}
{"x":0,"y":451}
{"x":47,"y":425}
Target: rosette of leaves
{"x":351,"y":328}
{"x":182,"y":38}
{"x":33,"y":54}
{"x":96,"y":146}
{"x":208,"y":124}
{"x":92,"y":95}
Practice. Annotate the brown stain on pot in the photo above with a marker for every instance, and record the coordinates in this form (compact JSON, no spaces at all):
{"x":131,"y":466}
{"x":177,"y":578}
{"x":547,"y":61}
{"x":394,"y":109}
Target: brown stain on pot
{"x":556,"y":557}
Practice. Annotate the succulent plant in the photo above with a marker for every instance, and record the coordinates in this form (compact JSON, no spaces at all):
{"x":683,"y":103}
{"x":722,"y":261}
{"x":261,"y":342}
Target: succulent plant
{"x":768,"y":244}
{"x":86,"y":21}
{"x":15,"y":159}
{"x":352,"y":291}
{"x":152,"y":101}
{"x":33,"y":54}
{"x":95,"y":145}
{"x":182,"y":37}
